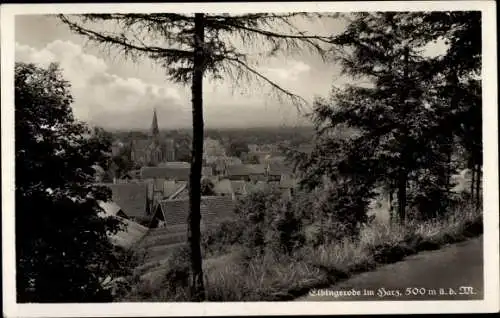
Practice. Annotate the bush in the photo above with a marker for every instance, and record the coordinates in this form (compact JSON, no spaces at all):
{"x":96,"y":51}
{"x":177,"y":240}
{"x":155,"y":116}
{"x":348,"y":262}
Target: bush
{"x":169,"y":283}
{"x":175,"y":283}
{"x":284,"y":266}
{"x":219,"y":239}
{"x":270,"y":222}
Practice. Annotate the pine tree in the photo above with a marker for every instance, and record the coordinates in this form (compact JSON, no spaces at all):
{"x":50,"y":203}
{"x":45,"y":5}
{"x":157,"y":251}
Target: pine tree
{"x":408,"y":116}
{"x":191,"y":47}
{"x":461,"y":67}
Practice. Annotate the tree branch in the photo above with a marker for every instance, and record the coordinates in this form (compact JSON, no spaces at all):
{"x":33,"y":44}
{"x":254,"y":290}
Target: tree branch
{"x":298,"y":100}
{"x":324,"y":39}
{"x":154,"y":51}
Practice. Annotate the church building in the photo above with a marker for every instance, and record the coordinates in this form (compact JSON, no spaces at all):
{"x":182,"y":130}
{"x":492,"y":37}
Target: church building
{"x":154,"y":150}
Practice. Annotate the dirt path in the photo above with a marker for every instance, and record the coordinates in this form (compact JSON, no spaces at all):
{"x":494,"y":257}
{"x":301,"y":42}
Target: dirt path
{"x":430,"y":275}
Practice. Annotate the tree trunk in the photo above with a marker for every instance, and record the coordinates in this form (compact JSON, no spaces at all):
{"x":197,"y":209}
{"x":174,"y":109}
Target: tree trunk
{"x":478,"y":186}
{"x":197,"y":289}
{"x":402,"y":174}
{"x":391,"y":207}
{"x":472,"y":181}
{"x":450,"y":166}
{"x":402,"y":182}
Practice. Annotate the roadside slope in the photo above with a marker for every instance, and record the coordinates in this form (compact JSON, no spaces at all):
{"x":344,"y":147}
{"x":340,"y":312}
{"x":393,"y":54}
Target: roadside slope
{"x":454,"y":266}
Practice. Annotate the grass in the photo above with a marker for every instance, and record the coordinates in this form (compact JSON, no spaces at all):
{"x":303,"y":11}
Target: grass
{"x":274,"y":277}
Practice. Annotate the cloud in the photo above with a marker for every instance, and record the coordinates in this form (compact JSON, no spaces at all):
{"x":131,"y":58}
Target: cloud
{"x":106,"y":99}
{"x":289,"y":72}
{"x":126,"y":101}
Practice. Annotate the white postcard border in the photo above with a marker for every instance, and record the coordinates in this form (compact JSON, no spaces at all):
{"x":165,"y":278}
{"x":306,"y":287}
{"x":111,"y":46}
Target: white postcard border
{"x":491,"y":212}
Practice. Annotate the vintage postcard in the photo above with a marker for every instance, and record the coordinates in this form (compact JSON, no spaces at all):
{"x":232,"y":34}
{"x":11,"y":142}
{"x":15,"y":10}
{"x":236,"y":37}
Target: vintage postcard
{"x":249,"y":158}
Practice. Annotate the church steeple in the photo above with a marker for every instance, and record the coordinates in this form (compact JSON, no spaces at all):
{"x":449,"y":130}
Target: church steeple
{"x":154,"y":126}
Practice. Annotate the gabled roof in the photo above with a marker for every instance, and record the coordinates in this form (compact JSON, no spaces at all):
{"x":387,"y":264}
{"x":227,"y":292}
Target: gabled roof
{"x":172,"y":187}
{"x":212,"y":208}
{"x":182,"y":195}
{"x":169,"y":173}
{"x":111,"y":208}
{"x":131,"y":197}
{"x":175,"y":211}
{"x":218,"y":207}
{"x":246,"y":169}
{"x":127,"y":238}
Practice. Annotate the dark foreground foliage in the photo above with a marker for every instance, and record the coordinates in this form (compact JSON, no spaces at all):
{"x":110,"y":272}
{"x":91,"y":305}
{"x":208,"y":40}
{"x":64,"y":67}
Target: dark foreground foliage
{"x":63,"y":252}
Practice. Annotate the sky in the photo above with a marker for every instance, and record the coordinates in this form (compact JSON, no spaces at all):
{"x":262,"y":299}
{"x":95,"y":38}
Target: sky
{"x":115,"y":93}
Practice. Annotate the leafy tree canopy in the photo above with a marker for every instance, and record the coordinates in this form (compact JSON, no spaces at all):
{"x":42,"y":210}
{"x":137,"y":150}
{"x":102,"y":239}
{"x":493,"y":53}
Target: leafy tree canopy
{"x":62,"y":246}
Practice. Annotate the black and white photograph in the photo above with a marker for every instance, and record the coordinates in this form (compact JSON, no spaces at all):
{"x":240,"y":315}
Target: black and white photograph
{"x":249,"y":158}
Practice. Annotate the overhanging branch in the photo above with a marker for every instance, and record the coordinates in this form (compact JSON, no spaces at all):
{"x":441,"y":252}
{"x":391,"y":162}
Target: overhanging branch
{"x":155,"y":51}
{"x":294,"y":97}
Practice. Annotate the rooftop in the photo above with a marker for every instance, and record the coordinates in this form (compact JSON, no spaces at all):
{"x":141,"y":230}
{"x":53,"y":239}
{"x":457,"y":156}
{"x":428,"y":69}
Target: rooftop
{"x":130,"y":197}
{"x":171,"y":173}
{"x":246,"y":169}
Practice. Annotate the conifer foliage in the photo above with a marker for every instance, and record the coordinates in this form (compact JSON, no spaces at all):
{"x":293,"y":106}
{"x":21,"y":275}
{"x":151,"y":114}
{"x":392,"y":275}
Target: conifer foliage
{"x":409,"y":117}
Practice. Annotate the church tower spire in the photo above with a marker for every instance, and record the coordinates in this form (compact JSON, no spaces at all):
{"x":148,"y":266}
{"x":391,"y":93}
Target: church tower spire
{"x":154,"y":126}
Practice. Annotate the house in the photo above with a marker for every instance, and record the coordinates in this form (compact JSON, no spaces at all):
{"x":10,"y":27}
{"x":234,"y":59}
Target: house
{"x":276,"y":170}
{"x":133,"y":231}
{"x":238,"y":187}
{"x":161,"y":189}
{"x":247,"y":172}
{"x":171,"y":189}
{"x":223,"y":187}
{"x":132,"y":198}
{"x":110,"y":208}
{"x":176,"y":212}
{"x":288,"y":182}
{"x":218,"y":208}
{"x":274,"y":159}
{"x":165,"y":173}
{"x":219,"y":164}
{"x":251,"y":187}
{"x":229,"y":161}
{"x":182,"y":194}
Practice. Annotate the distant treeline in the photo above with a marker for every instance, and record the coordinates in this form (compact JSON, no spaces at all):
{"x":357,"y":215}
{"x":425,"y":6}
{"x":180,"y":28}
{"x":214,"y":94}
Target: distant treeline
{"x":254,"y":135}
